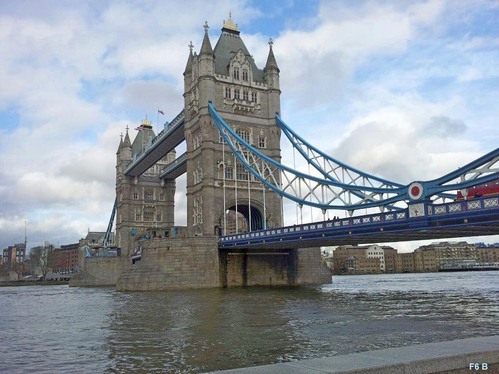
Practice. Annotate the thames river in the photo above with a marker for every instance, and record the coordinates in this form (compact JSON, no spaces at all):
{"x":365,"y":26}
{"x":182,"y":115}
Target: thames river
{"x":57,"y":329}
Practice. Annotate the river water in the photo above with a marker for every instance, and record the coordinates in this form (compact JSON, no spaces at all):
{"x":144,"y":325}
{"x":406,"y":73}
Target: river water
{"x":57,"y":329}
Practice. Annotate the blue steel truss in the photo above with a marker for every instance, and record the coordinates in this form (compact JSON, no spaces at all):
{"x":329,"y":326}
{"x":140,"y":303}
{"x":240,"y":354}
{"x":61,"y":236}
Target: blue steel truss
{"x":345,"y":188}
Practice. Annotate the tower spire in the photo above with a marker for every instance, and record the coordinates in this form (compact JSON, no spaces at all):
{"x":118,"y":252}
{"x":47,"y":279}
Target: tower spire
{"x":206,"y":46}
{"x":271,"y":61}
{"x":230,"y":26}
{"x":188,"y":66}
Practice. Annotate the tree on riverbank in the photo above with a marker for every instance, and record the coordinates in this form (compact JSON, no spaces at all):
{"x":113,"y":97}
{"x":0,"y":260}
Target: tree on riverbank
{"x":40,"y":259}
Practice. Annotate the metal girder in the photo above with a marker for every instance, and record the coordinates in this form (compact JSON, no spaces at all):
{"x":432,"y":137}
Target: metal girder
{"x":344,"y":192}
{"x":334,"y":169}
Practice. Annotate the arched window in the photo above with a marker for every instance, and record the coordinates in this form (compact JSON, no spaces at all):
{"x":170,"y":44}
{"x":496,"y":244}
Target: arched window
{"x":243,"y":133}
{"x":245,"y":75}
{"x":242,"y":173}
{"x":236,"y":73}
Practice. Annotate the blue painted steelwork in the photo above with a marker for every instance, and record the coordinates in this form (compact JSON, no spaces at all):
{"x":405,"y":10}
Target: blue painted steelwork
{"x":330,"y":193}
{"x":456,"y":219}
{"x":107,"y":237}
{"x":334,"y":169}
{"x":270,"y":172}
{"x":303,"y":146}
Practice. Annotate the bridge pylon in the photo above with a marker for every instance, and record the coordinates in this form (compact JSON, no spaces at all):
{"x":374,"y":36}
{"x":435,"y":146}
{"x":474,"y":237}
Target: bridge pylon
{"x":222,"y":196}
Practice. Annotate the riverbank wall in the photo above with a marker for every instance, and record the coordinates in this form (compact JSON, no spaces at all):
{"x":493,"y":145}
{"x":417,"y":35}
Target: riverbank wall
{"x":465,"y":356}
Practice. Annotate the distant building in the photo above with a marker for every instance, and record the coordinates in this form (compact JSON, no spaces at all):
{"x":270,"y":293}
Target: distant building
{"x":369,"y":259}
{"x":447,"y":253}
{"x":488,"y":254}
{"x":64,"y":259}
{"x":390,"y":259}
{"x":14,"y":254}
{"x":438,"y":256}
{"x":405,"y":263}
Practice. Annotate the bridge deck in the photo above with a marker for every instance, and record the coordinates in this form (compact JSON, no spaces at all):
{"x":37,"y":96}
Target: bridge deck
{"x":475,"y":217}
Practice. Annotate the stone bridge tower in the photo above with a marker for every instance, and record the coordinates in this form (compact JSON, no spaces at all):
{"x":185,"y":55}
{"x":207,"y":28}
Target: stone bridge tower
{"x":222,"y":197}
{"x":145,"y":202}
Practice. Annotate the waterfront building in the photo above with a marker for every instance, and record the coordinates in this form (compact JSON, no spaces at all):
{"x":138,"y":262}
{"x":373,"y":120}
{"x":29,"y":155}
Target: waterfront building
{"x":405,"y":263}
{"x":367,"y":259}
{"x":390,"y":255}
{"x":425,"y":260}
{"x":489,"y":254}
{"x":14,"y":254}
{"x":64,"y":259}
{"x":449,"y":252}
{"x":375,"y":251}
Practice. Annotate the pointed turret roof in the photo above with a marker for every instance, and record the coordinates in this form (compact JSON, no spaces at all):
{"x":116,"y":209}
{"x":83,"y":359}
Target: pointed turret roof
{"x":206,"y":46}
{"x":227,"y":46}
{"x":271,"y":61}
{"x":144,"y":137}
{"x":127,"y":142}
{"x":188,"y":66}
{"x":121,"y":144}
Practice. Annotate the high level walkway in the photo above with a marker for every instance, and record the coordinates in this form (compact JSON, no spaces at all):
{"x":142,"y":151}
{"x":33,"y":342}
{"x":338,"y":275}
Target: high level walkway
{"x":164,"y":142}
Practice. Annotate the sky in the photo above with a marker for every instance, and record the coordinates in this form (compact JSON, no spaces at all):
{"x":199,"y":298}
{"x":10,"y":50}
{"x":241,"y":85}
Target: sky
{"x":403,"y":90}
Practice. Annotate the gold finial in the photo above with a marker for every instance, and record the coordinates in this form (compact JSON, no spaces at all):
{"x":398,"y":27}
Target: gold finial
{"x":230,"y":25}
{"x":146,"y":123}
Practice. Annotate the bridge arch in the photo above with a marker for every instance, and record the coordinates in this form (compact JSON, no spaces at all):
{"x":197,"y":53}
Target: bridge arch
{"x":242,"y":217}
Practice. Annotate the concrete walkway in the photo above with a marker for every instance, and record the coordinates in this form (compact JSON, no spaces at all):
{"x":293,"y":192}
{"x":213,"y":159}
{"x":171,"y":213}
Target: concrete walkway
{"x":473,"y":355}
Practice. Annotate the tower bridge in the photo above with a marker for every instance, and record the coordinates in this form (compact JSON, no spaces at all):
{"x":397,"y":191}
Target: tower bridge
{"x":236,"y":184}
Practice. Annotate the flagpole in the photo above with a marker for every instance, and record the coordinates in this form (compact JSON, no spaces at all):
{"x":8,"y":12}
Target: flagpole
{"x":162,"y":113}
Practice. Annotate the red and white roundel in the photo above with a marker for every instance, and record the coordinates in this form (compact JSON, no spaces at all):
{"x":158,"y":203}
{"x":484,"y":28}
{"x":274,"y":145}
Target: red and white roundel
{"x":415,"y":191}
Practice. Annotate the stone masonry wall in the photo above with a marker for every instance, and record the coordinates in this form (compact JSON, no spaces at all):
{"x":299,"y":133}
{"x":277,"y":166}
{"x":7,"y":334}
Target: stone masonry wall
{"x":293,"y":267}
{"x":174,"y":263}
{"x":310,"y":267}
{"x":100,"y":271}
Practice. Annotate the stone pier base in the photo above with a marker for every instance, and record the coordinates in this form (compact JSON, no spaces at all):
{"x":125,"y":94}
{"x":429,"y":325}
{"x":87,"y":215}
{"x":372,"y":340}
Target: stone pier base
{"x":100,"y":272}
{"x":284,"y":267}
{"x":197,"y":262}
{"x":172,"y":264}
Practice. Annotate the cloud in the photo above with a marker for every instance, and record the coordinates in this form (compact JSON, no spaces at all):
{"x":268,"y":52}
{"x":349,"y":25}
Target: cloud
{"x":401,"y":90}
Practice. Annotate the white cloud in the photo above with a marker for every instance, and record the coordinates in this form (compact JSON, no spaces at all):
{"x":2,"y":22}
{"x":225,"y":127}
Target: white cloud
{"x":398,"y":88}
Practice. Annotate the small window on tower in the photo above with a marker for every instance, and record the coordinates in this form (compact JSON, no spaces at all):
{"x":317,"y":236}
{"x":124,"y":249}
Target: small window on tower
{"x":237,"y":94}
{"x":236,"y":73}
{"x":228,"y":172}
{"x":245,"y":75}
{"x":228,"y":93}
{"x":253,"y":97}
{"x":243,"y":133}
{"x":245,"y":95}
{"x":261,"y":142}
